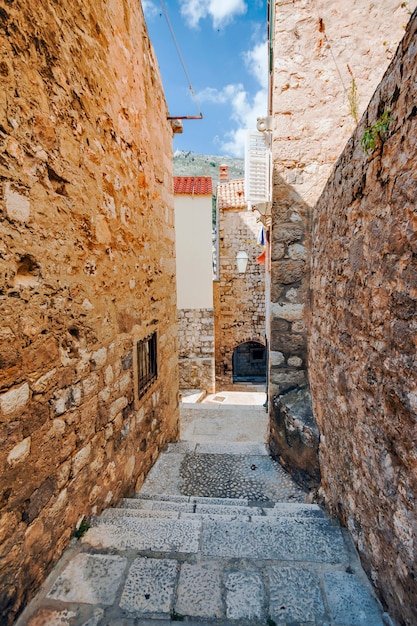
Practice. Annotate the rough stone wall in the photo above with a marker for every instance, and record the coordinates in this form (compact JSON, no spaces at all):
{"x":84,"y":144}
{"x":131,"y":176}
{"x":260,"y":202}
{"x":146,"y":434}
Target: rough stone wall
{"x":363,"y":337}
{"x":315,"y":45}
{"x":87,"y":269}
{"x":320,"y":48}
{"x":239,"y":299}
{"x":196,"y":349}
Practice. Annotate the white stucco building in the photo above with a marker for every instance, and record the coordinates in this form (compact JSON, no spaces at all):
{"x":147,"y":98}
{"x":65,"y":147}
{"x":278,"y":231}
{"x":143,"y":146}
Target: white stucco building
{"x":194,"y":254}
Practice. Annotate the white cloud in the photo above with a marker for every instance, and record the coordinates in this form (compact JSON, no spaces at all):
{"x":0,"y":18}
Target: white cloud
{"x":226,"y":95}
{"x":245,"y":107}
{"x":256,"y":61}
{"x":221,"y":12}
{"x":150,"y":10}
{"x":245,"y":111}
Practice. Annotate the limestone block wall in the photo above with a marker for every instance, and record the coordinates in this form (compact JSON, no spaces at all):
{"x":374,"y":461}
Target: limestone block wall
{"x":363,"y":337}
{"x":239,"y":299}
{"x":329,"y":56}
{"x":87,"y":270}
{"x":196,"y":349}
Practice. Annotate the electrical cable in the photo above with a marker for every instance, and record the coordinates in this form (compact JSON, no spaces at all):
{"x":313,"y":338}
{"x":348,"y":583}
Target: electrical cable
{"x":188,"y":117}
{"x":322,"y":29}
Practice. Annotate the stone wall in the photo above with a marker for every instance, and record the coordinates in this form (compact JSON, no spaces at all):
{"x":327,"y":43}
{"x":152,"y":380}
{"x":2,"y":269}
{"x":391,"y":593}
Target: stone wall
{"x":363,"y":337}
{"x":196,"y":349}
{"x":329,"y":57}
{"x":239,"y":299}
{"x":87,"y":269}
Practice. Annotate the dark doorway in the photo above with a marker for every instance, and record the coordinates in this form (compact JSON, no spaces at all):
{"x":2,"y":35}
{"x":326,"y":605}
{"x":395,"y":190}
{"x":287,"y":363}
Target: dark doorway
{"x":249,"y":363}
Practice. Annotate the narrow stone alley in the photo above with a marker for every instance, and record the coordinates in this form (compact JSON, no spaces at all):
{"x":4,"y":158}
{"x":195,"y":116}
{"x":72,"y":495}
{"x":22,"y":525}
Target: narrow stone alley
{"x":218,"y":534}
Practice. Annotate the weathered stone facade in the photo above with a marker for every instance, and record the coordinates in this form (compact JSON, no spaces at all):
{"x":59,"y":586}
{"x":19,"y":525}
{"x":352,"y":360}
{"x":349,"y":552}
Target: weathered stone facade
{"x":196,"y":349}
{"x":363,"y":337}
{"x":239,"y":299}
{"x":87,"y":270}
{"x":329,"y":57}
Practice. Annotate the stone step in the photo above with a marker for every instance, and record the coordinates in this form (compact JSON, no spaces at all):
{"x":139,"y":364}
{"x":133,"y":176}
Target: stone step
{"x":135,"y":590}
{"x":166,"y":497}
{"x":118,"y":513}
{"x":184,"y":505}
{"x":246,"y":448}
{"x":136,"y":512}
{"x":296,"y":538}
{"x":162,"y":497}
{"x":211,"y":506}
{"x":145,"y":534}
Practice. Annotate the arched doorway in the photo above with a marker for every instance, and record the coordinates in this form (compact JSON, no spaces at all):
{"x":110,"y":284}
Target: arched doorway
{"x":249,"y":363}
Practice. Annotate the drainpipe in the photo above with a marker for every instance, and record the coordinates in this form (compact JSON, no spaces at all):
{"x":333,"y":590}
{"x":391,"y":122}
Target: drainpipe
{"x":270,"y":20}
{"x":270,"y":32}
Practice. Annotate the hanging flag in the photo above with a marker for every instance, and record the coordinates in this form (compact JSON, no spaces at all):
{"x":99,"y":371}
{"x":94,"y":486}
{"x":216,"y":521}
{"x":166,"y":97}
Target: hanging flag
{"x":261,"y":236}
{"x":261,"y":258}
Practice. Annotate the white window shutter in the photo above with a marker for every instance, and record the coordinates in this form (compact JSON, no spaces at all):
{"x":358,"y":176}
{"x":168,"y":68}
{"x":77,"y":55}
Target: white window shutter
{"x":258,"y":168}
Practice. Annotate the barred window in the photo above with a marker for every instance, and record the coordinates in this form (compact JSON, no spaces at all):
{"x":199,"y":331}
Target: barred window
{"x":147,"y":362}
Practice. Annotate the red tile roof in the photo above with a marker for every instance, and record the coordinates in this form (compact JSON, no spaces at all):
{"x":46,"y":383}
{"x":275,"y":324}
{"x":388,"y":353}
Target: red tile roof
{"x":193,"y":185}
{"x":231,"y":195}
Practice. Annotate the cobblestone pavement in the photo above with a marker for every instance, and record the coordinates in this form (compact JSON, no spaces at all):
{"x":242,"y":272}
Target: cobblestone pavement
{"x":226,"y":470}
{"x":218,"y":535}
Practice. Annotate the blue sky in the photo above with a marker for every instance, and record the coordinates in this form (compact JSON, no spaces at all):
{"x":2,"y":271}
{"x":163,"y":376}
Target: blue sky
{"x":223,"y":44}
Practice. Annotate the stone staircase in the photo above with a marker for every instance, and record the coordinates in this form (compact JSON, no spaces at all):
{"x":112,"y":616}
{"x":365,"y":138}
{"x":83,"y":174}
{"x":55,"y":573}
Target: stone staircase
{"x":165,"y":556}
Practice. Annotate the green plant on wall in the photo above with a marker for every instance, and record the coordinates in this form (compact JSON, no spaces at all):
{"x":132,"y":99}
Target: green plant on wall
{"x":82,"y":528}
{"x":373,"y":134}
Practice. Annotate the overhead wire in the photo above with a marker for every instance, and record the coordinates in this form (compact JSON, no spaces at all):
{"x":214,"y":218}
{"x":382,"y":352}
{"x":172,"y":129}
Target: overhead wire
{"x":193,"y":95}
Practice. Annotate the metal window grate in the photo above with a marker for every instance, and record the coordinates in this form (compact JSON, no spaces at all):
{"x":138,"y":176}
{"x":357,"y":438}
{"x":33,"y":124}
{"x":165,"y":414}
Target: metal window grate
{"x":147,"y":360}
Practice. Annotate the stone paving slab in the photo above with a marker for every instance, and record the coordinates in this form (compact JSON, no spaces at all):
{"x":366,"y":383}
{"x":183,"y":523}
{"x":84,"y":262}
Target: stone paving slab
{"x":350,"y":601}
{"x":295,"y":509}
{"x":253,"y":396}
{"x":244,"y":595}
{"x":299,"y":539}
{"x":171,"y":506}
{"x":220,"y":501}
{"x":141,"y":497}
{"x":216,"y":516}
{"x":246,"y":449}
{"x":217,"y":560}
{"x":159,"y":535}
{"x":216,"y":423}
{"x":211,"y":590}
{"x":90,"y":578}
{"x":164,"y":476}
{"x":150,"y":587}
{"x":199,"y":591}
{"x":295,"y":595}
{"x":227,"y":509}
{"x":138,"y":512}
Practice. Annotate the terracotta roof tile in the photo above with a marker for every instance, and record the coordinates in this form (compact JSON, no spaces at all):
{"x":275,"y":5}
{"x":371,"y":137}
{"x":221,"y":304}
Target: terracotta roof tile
{"x":231,"y":195}
{"x":193,"y":185}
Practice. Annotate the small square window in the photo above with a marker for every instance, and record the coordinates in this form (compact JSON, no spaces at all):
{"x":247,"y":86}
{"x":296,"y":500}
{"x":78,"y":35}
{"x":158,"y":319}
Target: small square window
{"x":147,"y":363}
{"x":258,"y":355}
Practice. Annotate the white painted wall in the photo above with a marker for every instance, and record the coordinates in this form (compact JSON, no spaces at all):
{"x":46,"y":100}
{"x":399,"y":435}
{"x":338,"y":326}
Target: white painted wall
{"x":194,"y":251}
